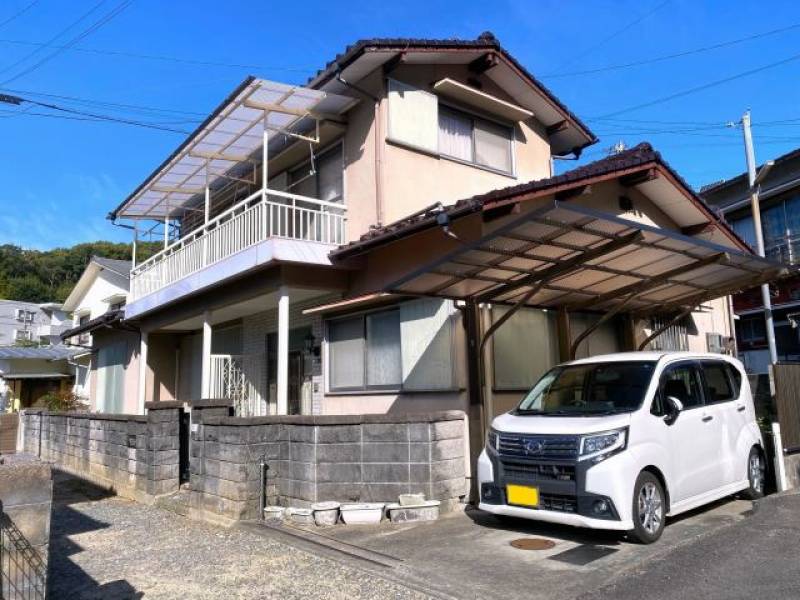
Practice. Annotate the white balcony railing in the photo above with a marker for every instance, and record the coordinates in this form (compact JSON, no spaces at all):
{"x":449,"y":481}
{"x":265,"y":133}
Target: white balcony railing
{"x":259,"y":217}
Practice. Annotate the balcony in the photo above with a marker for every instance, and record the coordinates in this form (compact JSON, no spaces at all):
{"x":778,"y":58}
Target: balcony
{"x":265,"y":215}
{"x":785,"y":249}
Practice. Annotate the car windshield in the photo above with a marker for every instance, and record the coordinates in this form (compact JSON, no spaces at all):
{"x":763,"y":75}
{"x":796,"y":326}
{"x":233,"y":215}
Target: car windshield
{"x":589,"y":389}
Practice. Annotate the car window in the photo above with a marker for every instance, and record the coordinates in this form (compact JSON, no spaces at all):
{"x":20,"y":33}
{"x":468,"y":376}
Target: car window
{"x":718,"y":384}
{"x":736,"y":378}
{"x":681,"y":382}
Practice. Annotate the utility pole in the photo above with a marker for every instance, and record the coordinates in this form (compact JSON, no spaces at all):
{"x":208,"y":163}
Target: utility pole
{"x":755,"y":185}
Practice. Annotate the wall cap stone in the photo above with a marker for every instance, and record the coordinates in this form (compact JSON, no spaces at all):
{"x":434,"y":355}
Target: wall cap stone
{"x":398,"y":418}
{"x":95,"y":416}
{"x":162,"y":405}
{"x":210,"y":403}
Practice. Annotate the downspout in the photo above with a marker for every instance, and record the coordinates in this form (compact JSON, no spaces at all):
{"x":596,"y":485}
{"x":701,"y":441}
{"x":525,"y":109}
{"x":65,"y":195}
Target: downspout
{"x":378,"y":142}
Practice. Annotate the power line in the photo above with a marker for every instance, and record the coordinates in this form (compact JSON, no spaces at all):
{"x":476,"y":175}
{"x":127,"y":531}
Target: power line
{"x":618,"y":32}
{"x":88,"y":31}
{"x":54,"y":38}
{"x":701,"y":87}
{"x":19,"y":13}
{"x":656,"y":59}
{"x":161,"y":57}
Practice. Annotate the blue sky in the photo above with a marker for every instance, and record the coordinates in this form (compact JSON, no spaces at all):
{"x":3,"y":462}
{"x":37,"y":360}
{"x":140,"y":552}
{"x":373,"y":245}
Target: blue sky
{"x":61,"y":177}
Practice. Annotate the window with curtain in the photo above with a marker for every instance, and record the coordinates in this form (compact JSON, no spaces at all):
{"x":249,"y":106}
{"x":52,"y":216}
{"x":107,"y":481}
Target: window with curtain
{"x":524,"y":348}
{"x":364,"y":352}
{"x":324,"y":181}
{"x":472,"y":139}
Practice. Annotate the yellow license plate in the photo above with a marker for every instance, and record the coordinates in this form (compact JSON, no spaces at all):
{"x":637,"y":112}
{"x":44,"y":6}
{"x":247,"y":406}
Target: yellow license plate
{"x":522,"y":495}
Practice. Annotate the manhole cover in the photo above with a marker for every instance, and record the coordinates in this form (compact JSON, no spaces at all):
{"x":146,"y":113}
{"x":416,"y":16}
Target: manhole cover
{"x":533,"y":544}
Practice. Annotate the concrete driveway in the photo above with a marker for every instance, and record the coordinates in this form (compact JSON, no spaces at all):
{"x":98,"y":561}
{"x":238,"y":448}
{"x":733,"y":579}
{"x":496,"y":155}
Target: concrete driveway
{"x":469,"y":555}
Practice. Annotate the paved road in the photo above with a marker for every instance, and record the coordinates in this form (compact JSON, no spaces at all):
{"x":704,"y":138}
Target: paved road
{"x":113,"y":549}
{"x":758,"y":557}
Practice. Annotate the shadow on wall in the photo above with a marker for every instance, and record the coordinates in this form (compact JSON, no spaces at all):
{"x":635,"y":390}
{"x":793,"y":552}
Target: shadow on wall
{"x":66,"y":579}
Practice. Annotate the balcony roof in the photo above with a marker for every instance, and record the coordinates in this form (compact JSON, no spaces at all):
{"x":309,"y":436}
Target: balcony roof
{"x":230,"y":136}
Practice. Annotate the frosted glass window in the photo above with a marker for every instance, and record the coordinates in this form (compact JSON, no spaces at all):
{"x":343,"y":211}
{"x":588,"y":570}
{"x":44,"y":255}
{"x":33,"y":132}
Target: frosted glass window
{"x":525,"y":347}
{"x":383,"y":349}
{"x":413,"y":116}
{"x":346,"y":348}
{"x":492,"y":145}
{"x":455,"y":134}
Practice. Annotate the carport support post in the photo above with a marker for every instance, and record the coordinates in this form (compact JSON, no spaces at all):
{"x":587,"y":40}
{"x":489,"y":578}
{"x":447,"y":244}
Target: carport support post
{"x":141,"y":388}
{"x":205,"y":381}
{"x":476,"y":410}
{"x":564,"y":336}
{"x":283,"y":350}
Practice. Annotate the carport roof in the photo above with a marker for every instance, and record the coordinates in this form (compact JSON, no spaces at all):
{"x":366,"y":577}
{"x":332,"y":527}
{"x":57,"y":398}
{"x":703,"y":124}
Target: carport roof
{"x":555,"y":253}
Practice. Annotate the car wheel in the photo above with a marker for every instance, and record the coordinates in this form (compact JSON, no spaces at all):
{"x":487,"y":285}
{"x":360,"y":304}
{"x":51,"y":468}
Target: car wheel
{"x":755,"y":474}
{"x":649,"y":508}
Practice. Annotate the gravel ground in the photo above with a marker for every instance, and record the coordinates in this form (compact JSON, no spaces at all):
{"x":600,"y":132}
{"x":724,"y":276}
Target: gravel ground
{"x":111,"y":548}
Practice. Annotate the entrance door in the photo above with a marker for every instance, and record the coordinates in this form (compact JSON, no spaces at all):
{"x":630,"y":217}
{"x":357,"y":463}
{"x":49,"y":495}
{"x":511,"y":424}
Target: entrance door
{"x":695,"y":437}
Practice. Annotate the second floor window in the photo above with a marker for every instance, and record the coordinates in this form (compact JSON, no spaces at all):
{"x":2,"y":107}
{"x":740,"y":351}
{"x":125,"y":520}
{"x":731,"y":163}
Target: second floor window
{"x":324,"y":181}
{"x":25,"y":316}
{"x":474,"y":140}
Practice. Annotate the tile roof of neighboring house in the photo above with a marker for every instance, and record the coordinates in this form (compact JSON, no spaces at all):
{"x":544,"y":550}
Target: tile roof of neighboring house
{"x":713,"y":188}
{"x":485,"y":41}
{"x":41,"y":352}
{"x":121,"y":267}
{"x":639,"y":155}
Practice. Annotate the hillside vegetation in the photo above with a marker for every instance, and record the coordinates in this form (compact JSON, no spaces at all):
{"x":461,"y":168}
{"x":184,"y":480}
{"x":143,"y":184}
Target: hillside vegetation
{"x":49,"y":275}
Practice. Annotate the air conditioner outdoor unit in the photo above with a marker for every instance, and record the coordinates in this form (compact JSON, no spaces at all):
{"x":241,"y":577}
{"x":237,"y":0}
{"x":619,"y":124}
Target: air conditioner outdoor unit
{"x":715,"y":342}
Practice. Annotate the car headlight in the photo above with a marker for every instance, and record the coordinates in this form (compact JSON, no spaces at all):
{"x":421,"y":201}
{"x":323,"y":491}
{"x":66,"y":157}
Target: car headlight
{"x":603,"y":444}
{"x":492,"y":439}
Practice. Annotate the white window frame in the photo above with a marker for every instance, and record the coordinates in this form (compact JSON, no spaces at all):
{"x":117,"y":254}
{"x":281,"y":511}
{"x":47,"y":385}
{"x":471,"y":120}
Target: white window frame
{"x":27,"y":335}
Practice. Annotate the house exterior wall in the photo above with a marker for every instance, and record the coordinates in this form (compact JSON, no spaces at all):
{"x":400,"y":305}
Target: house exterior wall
{"x":9,"y":322}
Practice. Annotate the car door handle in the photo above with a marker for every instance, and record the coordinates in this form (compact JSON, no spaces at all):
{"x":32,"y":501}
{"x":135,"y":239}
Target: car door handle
{"x":707,"y":418}
{"x":741,"y":408}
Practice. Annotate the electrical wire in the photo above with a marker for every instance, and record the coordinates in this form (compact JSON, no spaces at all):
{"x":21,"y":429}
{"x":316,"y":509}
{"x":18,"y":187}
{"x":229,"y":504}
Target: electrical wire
{"x":85,"y":33}
{"x":164,"y":58}
{"x":19,"y":13}
{"x":656,"y":59}
{"x":617,"y":33}
{"x":701,"y":88}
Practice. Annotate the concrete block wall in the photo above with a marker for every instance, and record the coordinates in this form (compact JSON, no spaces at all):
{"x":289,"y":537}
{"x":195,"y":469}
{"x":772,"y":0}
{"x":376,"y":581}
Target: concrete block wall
{"x":359,"y":458}
{"x":135,"y":456}
{"x":26,"y":496}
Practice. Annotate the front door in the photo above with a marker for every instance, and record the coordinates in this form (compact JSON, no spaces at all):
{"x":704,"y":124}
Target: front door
{"x":695,"y":437}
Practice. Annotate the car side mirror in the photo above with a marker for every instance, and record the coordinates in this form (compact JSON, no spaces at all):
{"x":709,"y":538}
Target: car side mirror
{"x":673,"y":408}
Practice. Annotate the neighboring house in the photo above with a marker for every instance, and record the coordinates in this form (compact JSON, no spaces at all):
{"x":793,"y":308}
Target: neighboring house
{"x":364,"y":277}
{"x":780,"y":225}
{"x":105,"y":344}
{"x":27,"y":374}
{"x":26,"y":323}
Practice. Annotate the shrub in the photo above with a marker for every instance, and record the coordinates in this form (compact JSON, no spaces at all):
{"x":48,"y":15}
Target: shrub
{"x":61,"y":402}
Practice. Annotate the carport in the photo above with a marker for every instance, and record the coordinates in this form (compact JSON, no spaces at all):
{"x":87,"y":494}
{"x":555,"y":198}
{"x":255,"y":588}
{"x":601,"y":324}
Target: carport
{"x":623,"y":236}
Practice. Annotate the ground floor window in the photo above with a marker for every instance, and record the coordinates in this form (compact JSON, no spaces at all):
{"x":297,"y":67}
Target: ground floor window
{"x":406,"y":347}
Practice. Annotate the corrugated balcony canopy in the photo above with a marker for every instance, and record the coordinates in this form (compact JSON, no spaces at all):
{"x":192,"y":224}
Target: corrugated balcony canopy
{"x":233,"y":134}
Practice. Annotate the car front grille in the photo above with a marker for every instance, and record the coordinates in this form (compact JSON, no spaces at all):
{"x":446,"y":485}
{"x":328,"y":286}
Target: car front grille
{"x":558,"y":503}
{"x":537,"y":471}
{"x":538,"y":446}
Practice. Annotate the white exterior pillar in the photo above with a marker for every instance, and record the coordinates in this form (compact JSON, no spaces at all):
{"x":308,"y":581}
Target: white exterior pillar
{"x":142,"y":387}
{"x":283,"y":350}
{"x":205,"y":386}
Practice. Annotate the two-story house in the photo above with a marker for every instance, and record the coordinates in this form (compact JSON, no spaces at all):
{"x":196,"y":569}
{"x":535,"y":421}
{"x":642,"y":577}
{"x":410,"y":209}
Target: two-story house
{"x":104,"y":345}
{"x":352,"y":245}
{"x":28,"y":323}
{"x":780,"y":224}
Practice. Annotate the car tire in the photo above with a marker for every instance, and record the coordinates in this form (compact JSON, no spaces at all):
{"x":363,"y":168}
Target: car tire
{"x":649,"y":509}
{"x":756,"y":467}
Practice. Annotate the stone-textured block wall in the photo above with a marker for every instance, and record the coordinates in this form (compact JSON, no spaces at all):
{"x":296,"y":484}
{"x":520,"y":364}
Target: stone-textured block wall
{"x":357,"y":458}
{"x":26,"y":496}
{"x":136,"y":456}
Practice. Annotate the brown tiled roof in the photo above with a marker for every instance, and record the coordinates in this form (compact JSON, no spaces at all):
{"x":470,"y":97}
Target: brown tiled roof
{"x":485,"y":41}
{"x":639,"y":155}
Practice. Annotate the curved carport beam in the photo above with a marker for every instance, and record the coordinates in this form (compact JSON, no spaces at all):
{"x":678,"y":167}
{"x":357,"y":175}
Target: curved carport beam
{"x":674,"y":321}
{"x":591,"y":329}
